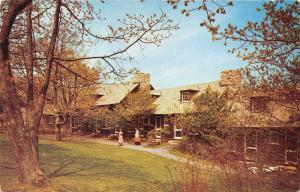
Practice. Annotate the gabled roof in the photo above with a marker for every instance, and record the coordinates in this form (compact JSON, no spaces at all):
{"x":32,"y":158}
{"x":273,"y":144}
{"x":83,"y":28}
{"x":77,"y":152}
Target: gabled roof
{"x":114,"y":93}
{"x":169,"y":100}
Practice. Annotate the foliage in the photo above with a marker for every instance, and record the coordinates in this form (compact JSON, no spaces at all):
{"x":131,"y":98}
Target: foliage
{"x":271,"y":49}
{"x":33,"y":36}
{"x":72,"y":92}
{"x":126,"y":114}
{"x":270,"y":46}
{"x":208,"y":118}
{"x":222,"y":174}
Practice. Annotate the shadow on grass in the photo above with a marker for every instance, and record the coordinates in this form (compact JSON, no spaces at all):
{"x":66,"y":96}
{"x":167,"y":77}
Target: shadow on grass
{"x":90,"y":167}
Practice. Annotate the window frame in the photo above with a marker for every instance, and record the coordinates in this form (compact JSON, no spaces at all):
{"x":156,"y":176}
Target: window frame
{"x":76,"y":123}
{"x":270,"y":140}
{"x":61,"y":120}
{"x":50,"y":122}
{"x":250,"y":147}
{"x":185,"y":96}
{"x":258,"y":104}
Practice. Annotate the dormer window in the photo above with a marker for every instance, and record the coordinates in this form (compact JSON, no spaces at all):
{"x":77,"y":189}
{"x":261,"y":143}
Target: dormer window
{"x":258,"y":104}
{"x":186,"y":95}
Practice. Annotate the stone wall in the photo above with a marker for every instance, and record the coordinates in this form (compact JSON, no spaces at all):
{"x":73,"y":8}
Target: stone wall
{"x":143,"y":79}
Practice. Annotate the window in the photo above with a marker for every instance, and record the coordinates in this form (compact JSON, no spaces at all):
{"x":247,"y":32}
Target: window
{"x":274,"y":137}
{"x":61,"y":118}
{"x":291,"y":147}
{"x":231,"y":143}
{"x":251,"y":145}
{"x":139,"y":123}
{"x":75,"y":122}
{"x":177,"y":133}
{"x":50,"y":119}
{"x":146,"y":121}
{"x":258,"y":104}
{"x":158,"y":126}
{"x":185,"y":96}
{"x":166,"y":122}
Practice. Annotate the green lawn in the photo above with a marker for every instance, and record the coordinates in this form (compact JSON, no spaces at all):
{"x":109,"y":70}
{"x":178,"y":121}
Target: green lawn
{"x":89,"y":167}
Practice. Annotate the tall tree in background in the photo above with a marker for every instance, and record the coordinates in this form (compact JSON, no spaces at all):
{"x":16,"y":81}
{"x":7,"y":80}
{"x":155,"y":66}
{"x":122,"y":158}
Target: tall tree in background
{"x":30,"y":46}
{"x":73,"y":85}
{"x":270,"y":47}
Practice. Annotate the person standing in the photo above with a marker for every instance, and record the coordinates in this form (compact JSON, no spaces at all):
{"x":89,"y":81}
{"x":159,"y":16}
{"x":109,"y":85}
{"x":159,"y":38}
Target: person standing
{"x":137,"y":138}
{"x":120,"y":138}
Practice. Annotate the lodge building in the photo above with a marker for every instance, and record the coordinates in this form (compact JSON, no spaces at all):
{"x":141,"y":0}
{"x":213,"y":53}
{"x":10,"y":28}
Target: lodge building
{"x":255,"y":133}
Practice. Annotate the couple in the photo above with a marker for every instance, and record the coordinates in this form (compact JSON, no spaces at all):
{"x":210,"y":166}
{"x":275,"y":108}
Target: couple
{"x":120,"y":136}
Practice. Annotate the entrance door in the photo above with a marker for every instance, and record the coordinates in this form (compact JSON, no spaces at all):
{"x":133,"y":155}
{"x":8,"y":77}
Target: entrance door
{"x":158,"y":126}
{"x":177,"y":132}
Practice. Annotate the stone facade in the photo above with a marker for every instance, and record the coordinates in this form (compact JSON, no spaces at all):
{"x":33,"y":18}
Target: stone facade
{"x":143,"y":79}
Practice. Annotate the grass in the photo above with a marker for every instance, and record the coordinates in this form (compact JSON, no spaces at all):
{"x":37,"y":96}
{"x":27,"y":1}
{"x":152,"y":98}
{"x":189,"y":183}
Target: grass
{"x":90,"y":167}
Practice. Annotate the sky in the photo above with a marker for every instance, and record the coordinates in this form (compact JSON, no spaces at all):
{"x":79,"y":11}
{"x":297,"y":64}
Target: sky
{"x":189,"y":56}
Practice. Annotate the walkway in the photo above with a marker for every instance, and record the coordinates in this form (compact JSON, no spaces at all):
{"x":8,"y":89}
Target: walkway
{"x":160,"y":151}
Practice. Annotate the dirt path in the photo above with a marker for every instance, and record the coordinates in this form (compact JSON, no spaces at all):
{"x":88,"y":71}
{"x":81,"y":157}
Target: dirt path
{"x":160,"y":151}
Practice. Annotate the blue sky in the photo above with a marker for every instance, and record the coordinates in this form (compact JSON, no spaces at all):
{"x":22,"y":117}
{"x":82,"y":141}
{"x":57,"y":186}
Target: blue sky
{"x":189,"y":55}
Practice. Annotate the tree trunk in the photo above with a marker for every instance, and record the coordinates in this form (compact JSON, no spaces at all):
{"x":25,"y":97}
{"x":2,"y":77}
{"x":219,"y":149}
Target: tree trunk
{"x":22,"y":141}
{"x":25,"y":154}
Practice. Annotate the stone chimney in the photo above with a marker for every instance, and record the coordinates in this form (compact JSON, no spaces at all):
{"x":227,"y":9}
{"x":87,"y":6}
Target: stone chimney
{"x":231,"y":78}
{"x":143,"y":79}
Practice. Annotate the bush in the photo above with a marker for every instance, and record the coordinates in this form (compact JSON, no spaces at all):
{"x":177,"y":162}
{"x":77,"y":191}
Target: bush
{"x":211,"y":163}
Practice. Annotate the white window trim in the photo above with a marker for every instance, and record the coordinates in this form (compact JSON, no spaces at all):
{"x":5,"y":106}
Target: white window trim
{"x":158,"y":130}
{"x":52,"y":119}
{"x":175,"y":130}
{"x":182,"y":97}
{"x":59,"y":120}
{"x":246,"y":148}
{"x":158,"y":127}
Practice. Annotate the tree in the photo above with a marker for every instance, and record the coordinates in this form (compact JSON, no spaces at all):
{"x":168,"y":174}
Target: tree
{"x":271,"y":48}
{"x":23,"y":137}
{"x":31,"y":40}
{"x":73,"y":85}
{"x":208,"y":119}
{"x":127,"y":114}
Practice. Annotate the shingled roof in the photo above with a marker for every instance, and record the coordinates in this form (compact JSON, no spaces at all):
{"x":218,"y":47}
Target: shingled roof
{"x":114,"y":93}
{"x":169,"y":100}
